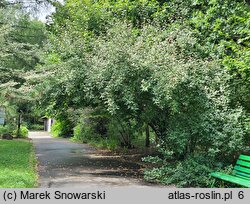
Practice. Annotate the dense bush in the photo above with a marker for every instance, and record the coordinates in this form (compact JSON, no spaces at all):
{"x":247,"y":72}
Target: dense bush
{"x":6,"y":129}
{"x":23,"y":132}
{"x":84,"y":133}
{"x":36,"y":127}
{"x":101,"y":130}
{"x":193,"y":171}
{"x":62,"y":128}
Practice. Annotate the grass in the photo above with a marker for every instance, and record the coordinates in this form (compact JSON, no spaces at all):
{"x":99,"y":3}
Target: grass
{"x":17,"y":164}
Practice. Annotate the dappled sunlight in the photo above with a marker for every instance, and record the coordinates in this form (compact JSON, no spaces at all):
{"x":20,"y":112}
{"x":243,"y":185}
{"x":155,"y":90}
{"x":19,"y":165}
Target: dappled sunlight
{"x":39,"y":135}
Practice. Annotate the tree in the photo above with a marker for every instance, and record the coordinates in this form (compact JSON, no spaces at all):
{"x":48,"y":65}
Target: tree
{"x":20,"y":41}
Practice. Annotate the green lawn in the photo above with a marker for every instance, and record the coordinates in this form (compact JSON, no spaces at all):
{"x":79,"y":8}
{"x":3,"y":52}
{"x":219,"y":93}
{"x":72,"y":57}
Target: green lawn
{"x":17,"y":165}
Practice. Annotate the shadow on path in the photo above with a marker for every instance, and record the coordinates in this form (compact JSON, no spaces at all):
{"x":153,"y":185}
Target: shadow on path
{"x":63,"y":163}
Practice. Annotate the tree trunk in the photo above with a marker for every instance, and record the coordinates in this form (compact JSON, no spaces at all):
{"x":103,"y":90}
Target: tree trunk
{"x":147,"y":144}
{"x":18,"y":125}
{"x":157,"y":135}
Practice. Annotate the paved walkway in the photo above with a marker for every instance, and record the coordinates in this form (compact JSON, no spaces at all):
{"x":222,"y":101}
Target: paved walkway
{"x":63,"y":163}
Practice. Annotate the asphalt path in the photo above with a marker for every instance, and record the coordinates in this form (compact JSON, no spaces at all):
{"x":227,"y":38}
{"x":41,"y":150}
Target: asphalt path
{"x":62,"y":163}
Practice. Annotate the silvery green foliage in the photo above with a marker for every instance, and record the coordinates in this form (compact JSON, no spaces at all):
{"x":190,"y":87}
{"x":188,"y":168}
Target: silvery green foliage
{"x":163,"y":69}
{"x":154,"y":76}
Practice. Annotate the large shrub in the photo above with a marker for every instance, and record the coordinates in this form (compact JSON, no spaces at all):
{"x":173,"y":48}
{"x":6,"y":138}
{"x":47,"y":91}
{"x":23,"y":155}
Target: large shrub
{"x":173,"y":81}
{"x":83,"y":132}
{"x":62,"y":128}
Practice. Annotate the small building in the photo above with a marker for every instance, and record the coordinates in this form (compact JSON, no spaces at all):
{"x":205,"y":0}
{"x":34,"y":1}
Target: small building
{"x":48,"y":122}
